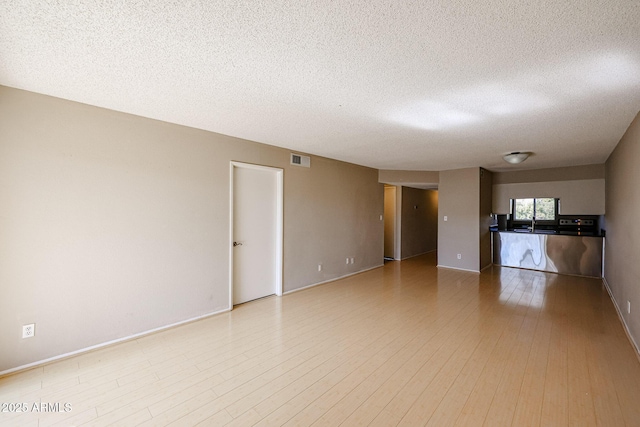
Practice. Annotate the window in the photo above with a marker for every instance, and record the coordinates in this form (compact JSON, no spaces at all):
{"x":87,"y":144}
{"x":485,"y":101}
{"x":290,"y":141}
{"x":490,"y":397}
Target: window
{"x":543,"y":209}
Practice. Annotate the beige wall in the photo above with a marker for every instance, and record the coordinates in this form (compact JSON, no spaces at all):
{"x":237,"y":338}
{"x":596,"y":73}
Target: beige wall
{"x":420,"y":179}
{"x":570,"y":173}
{"x":459,"y":200}
{"x":419,"y":221}
{"x":622,"y":269}
{"x":581,"y":189}
{"x":113,"y":224}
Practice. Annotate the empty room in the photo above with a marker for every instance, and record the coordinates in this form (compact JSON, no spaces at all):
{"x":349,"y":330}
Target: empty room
{"x":361,"y":213}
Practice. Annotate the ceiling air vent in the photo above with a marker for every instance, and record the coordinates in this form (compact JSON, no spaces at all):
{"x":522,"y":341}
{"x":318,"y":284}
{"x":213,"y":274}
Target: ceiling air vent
{"x":298,"y":160}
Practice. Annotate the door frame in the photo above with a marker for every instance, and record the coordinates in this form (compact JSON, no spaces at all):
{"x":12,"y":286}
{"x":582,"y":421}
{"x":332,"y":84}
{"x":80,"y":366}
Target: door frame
{"x":279,"y":174}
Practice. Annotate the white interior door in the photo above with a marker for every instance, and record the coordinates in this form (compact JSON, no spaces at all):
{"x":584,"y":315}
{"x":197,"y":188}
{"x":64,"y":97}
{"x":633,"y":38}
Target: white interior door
{"x":256,"y":232}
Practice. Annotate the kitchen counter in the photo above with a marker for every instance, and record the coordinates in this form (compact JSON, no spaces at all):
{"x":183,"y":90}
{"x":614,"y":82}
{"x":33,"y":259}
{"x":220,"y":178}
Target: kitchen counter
{"x":546,"y":250}
{"x":543,"y":231}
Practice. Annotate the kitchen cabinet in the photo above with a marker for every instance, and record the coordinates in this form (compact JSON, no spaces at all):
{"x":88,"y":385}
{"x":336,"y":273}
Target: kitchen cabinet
{"x":555,"y":253}
{"x":577,"y":197}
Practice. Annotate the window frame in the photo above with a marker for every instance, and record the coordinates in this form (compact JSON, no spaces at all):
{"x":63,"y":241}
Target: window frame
{"x":556,"y":203}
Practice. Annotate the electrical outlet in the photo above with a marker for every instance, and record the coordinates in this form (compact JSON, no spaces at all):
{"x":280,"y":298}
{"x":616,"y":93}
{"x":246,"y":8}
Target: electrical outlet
{"x":629,"y":307}
{"x":319,"y":267}
{"x":347,"y":260}
{"x":28,"y":330}
{"x":459,"y":256}
{"x":445,"y":218}
{"x":351,"y":260}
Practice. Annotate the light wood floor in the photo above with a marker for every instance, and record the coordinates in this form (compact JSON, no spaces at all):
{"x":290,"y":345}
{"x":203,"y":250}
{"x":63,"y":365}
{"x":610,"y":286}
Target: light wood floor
{"x":406,"y":344}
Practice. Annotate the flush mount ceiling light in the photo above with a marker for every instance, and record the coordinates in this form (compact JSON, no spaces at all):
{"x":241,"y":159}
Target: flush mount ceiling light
{"x":515,"y":157}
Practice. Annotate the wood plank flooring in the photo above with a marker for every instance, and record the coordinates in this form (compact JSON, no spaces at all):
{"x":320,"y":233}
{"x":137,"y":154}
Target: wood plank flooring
{"x":406,"y":344}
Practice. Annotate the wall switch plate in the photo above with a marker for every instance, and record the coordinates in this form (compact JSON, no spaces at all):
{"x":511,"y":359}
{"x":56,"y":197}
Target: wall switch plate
{"x":629,"y":307}
{"x":351,"y":260}
{"x":445,"y":218}
{"x":319,"y":267}
{"x":347,"y":260}
{"x":459,"y":256}
{"x":28,"y":330}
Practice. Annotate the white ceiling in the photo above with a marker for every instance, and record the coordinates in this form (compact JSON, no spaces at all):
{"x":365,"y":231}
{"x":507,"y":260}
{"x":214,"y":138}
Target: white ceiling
{"x":413,"y":85}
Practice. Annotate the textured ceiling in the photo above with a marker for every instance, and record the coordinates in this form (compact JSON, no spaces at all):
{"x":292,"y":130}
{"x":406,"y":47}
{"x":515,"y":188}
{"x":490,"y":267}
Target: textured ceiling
{"x":414,"y":85}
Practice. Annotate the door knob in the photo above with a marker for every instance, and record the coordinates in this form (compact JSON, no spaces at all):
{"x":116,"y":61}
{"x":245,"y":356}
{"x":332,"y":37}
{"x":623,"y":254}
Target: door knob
{"x":236,"y":244}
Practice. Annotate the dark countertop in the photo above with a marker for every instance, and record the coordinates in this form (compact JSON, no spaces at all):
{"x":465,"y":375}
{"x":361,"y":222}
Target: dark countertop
{"x":551,"y":232}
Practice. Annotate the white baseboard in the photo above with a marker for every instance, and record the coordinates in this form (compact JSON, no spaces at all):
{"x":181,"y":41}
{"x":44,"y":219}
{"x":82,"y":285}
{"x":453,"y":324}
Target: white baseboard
{"x":456,"y":268}
{"x":108,"y":343}
{"x":634,"y":344}
{"x":332,"y":280}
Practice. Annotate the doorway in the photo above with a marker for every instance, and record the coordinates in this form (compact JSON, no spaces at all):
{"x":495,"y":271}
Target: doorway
{"x":410,"y":221}
{"x":391,"y":222}
{"x":256,"y":229}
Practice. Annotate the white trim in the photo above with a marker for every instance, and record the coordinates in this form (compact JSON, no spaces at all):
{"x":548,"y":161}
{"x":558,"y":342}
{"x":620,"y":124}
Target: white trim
{"x":108,"y":343}
{"x":333,"y":280}
{"x":231,"y":236}
{"x":456,"y":268}
{"x":279,"y":225}
{"x":621,"y":317}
